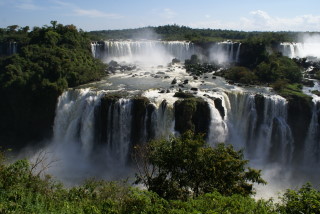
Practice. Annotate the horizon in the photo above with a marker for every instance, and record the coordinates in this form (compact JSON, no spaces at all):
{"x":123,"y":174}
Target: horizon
{"x":247,"y":15}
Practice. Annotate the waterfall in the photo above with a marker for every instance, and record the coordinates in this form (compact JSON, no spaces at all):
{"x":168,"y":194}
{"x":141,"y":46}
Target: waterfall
{"x":162,"y":121}
{"x":119,"y":130}
{"x":258,"y":124}
{"x":300,"y":50}
{"x":238,"y":53}
{"x":74,"y":121}
{"x":156,"y":52}
{"x":223,"y":52}
{"x":312,"y":147}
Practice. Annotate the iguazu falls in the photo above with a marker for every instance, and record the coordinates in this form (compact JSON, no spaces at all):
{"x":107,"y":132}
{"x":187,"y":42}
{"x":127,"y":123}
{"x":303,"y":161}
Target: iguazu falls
{"x":122,"y":112}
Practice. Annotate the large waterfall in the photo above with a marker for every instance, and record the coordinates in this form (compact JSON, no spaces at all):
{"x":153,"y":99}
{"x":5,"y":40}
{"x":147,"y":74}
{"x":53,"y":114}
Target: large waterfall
{"x":160,"y":52}
{"x":93,"y":119}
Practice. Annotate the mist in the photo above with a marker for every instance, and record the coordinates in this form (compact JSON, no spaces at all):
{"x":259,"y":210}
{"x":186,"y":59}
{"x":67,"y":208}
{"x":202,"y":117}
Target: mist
{"x":222,"y":53}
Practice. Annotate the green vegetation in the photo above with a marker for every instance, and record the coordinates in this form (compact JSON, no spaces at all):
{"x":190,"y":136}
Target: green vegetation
{"x":274,"y":69}
{"x":49,"y":60}
{"x":185,"y":167}
{"x":304,"y":200}
{"x":176,"y":32}
{"x":25,"y":189}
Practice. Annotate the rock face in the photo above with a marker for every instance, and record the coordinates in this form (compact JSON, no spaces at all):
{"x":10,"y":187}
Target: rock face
{"x":299,"y":118}
{"x":139,"y":110}
{"x":192,"y":114}
{"x":219,"y":106}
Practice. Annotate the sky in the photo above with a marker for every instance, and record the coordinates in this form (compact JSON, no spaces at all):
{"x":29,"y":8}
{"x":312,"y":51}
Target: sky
{"x":245,"y":15}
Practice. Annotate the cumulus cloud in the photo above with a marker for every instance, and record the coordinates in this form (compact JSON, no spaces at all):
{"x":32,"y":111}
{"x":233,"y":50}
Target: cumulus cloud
{"x":262,"y":21}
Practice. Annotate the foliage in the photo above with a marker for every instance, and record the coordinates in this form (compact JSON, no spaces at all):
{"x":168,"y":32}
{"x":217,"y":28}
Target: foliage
{"x":176,"y":32}
{"x":278,"y":67}
{"x":50,"y":60}
{"x":290,"y":90}
{"x":218,"y":203}
{"x":181,"y":167}
{"x":23,"y":191}
{"x":304,"y":200}
{"x":241,"y":75}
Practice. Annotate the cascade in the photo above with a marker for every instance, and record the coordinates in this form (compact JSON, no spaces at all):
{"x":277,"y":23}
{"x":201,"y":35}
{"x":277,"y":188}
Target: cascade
{"x":312,"y":147}
{"x":145,"y":50}
{"x":300,"y":50}
{"x":13,"y":46}
{"x":257,"y":123}
{"x":223,"y":52}
{"x":238,"y":53}
{"x":74,"y":121}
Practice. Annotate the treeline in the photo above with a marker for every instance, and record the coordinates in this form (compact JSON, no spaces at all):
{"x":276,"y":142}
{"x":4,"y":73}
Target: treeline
{"x":49,"y":60}
{"x":176,"y":32}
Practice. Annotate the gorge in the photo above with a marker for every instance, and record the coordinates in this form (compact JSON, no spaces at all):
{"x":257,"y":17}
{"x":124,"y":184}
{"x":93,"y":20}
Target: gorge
{"x":97,"y":125}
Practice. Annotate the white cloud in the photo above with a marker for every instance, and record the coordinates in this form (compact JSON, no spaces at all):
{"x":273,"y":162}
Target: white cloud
{"x":91,"y":13}
{"x":95,"y":14}
{"x":262,"y":21}
{"x":27,"y":5}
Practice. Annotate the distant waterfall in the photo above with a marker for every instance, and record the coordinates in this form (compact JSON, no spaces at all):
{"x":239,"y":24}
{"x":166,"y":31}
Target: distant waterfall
{"x":224,"y":52}
{"x":300,"y":50}
{"x":238,"y":53}
{"x":131,"y":51}
{"x":13,"y":47}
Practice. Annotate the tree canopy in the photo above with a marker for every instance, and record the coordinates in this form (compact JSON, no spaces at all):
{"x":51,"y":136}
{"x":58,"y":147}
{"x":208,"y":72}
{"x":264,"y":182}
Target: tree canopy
{"x":186,"y":166}
{"x":49,"y":60}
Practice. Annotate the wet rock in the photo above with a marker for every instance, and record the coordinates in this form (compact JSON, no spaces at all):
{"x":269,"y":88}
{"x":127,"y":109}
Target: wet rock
{"x":113,"y":63}
{"x":308,"y":83}
{"x":185,"y":81}
{"x":181,"y":94}
{"x":194,"y":89}
{"x":174,"y":81}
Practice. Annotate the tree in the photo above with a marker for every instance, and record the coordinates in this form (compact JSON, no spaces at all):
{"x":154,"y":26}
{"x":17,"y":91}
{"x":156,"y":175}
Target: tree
{"x":304,"y":200}
{"x":186,"y":166}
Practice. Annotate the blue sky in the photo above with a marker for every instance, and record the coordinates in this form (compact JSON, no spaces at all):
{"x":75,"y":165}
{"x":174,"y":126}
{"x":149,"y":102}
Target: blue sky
{"x":247,"y":15}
